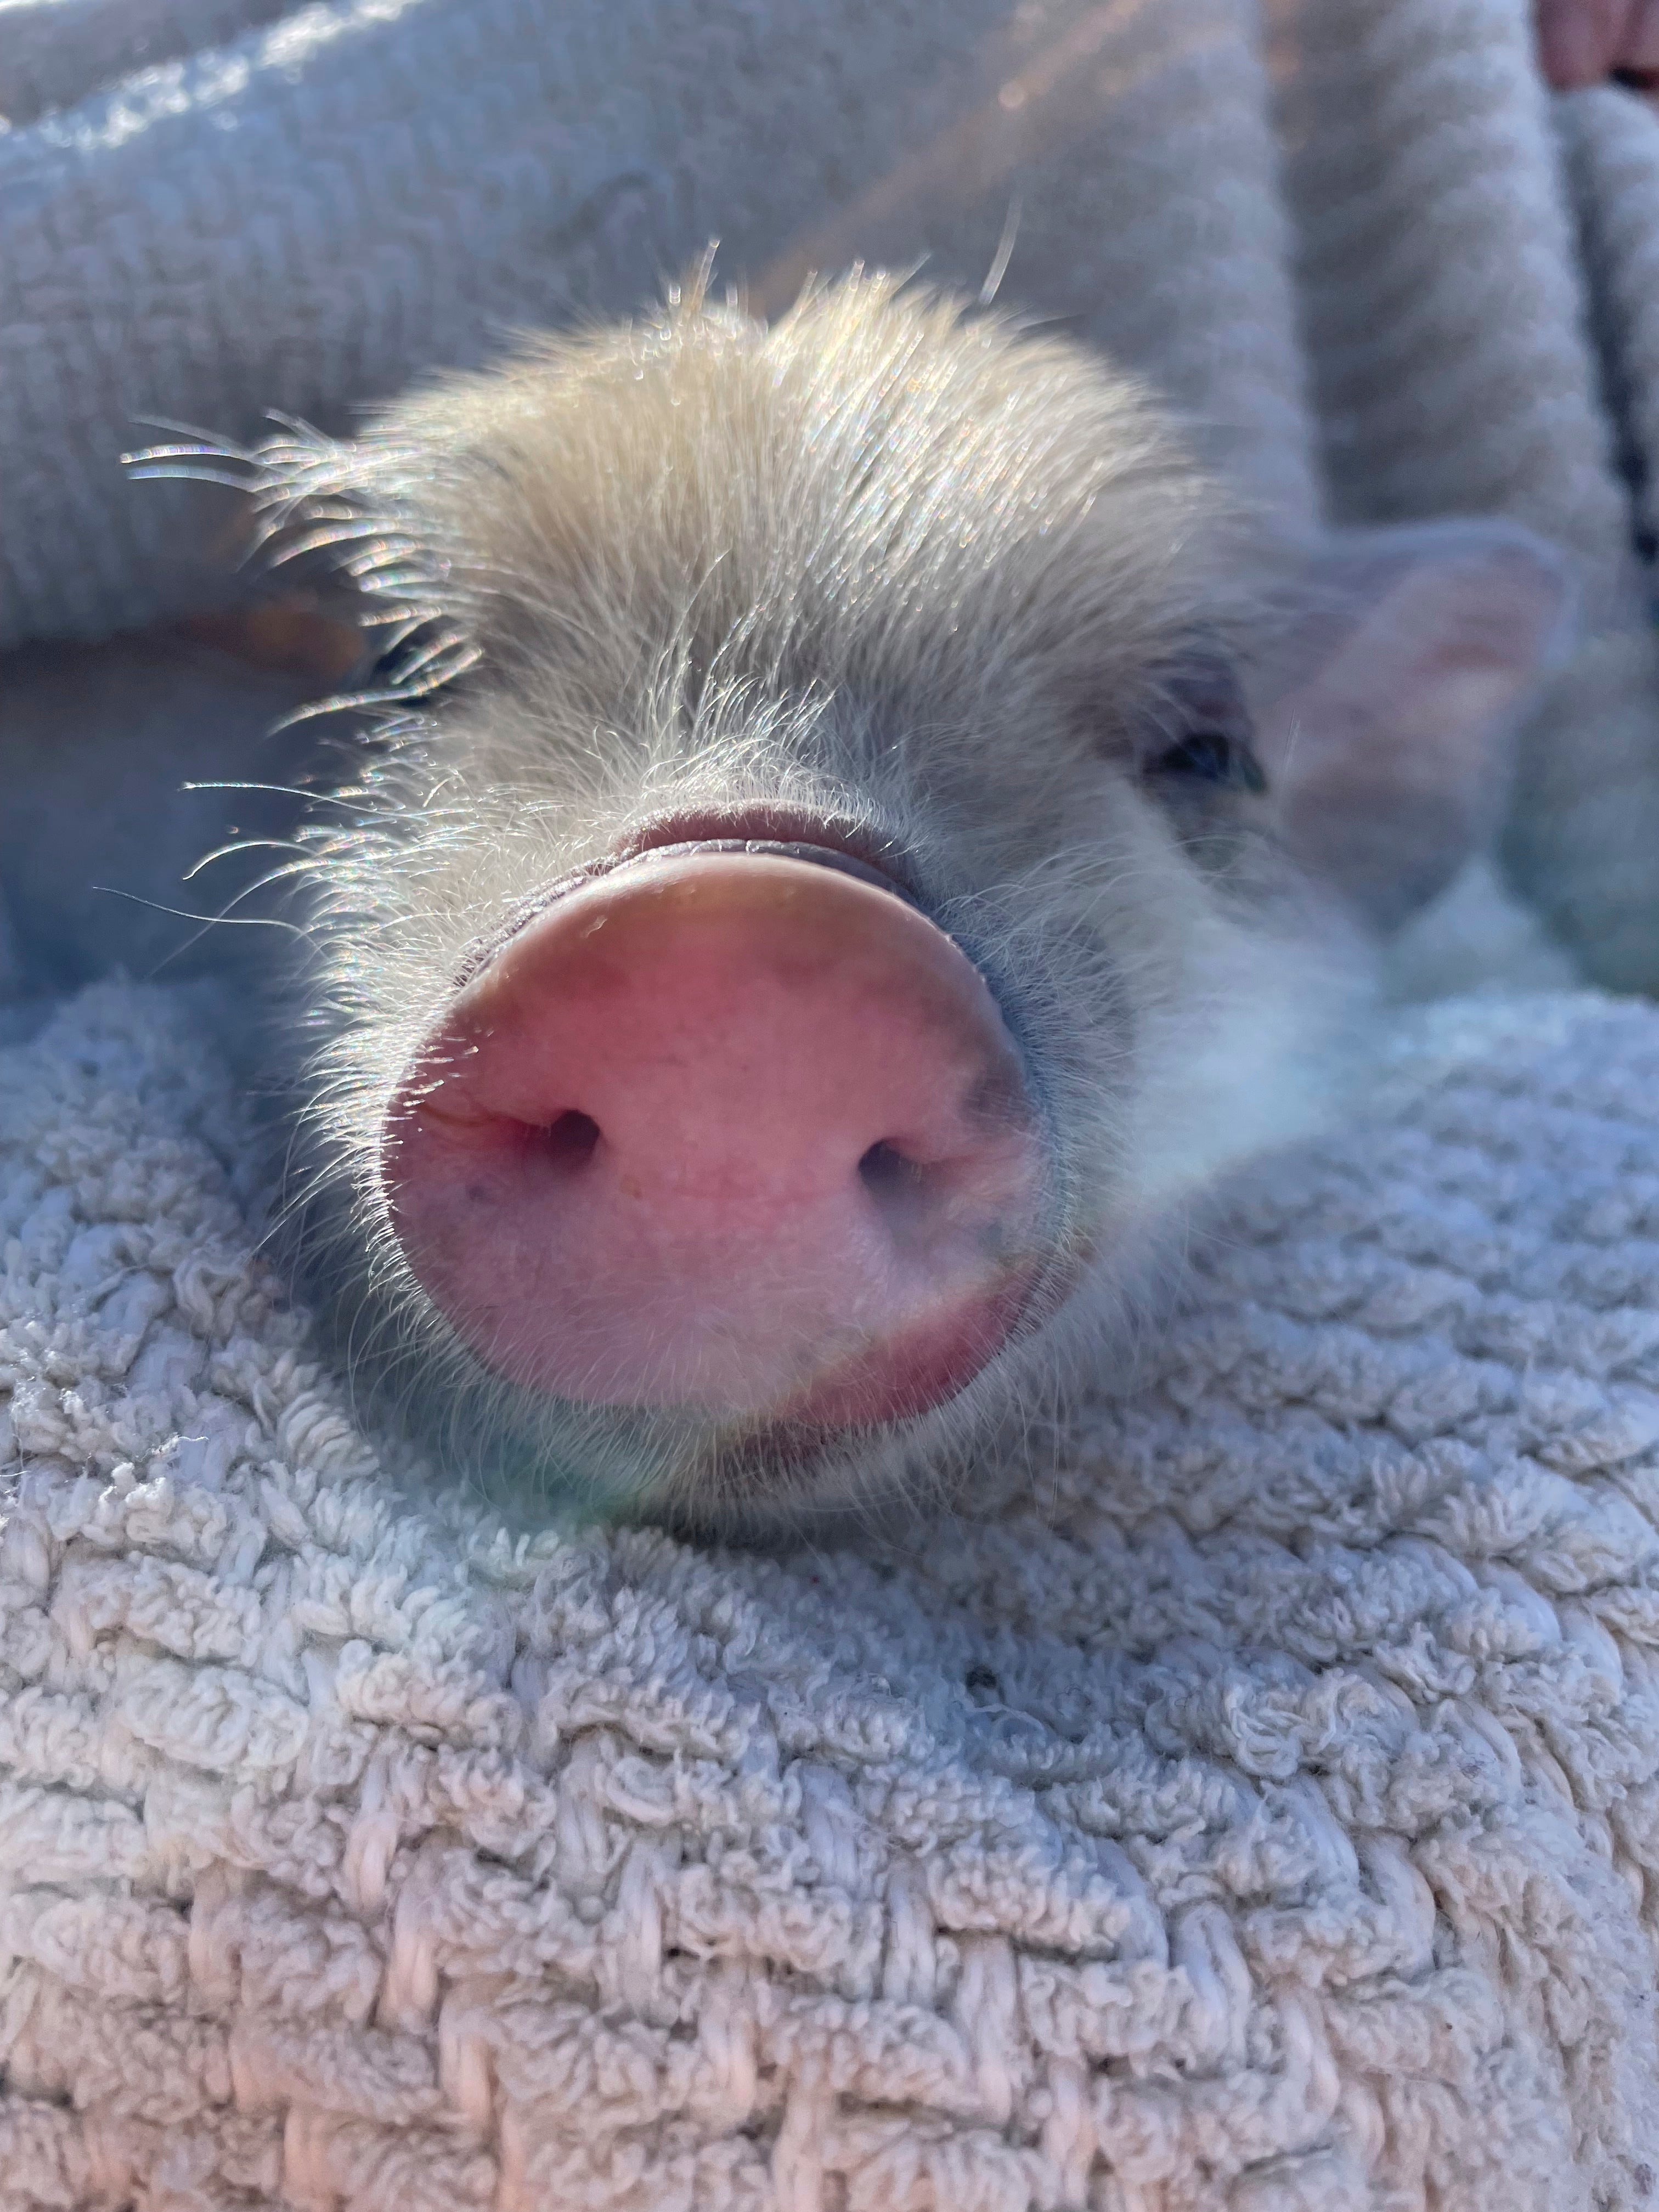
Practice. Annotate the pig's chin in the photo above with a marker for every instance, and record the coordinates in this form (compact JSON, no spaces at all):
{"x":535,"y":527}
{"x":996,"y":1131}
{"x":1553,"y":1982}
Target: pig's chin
{"x":729,"y":1135}
{"x":797,"y":1393}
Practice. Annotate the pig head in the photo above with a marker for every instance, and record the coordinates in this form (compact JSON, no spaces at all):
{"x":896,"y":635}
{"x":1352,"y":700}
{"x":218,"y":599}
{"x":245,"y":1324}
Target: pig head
{"x":859,"y":835}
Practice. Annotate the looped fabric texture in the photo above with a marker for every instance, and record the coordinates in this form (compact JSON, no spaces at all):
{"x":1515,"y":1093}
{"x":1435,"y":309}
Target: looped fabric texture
{"x":1262,"y":1809}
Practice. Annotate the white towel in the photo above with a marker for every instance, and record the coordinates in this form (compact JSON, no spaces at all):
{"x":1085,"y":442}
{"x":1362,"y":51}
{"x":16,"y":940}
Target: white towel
{"x":1263,"y":1813}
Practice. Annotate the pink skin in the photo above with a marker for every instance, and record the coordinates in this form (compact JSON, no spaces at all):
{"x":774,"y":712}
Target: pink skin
{"x":1583,"y":41}
{"x":727,"y":1132}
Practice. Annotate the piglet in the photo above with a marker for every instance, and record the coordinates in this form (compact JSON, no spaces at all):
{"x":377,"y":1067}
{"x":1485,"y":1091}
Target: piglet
{"x":862,"y":833}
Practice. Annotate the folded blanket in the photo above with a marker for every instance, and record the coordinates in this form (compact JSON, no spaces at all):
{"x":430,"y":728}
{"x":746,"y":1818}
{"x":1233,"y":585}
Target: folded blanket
{"x":1261,"y":1811}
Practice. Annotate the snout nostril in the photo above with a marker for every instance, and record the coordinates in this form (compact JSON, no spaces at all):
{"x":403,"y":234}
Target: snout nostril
{"x":570,"y":1142}
{"x":886,"y":1174}
{"x":903,"y":1191}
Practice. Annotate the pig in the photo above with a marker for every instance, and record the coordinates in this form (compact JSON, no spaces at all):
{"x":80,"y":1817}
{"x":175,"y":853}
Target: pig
{"x":858,"y":828}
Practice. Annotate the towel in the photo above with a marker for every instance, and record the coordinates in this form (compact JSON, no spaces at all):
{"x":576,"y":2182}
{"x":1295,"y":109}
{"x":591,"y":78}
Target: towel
{"x":1258,"y":1808}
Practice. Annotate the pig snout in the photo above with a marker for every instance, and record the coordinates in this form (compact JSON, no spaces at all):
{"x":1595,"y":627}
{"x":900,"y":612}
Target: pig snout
{"x":738,"y":1133}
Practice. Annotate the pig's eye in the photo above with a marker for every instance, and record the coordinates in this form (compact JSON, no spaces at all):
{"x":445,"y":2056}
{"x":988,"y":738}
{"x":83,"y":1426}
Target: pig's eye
{"x":1204,"y":699}
{"x":1212,"y":756}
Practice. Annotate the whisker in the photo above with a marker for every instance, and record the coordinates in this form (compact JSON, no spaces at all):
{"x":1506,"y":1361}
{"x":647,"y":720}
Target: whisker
{"x":208,"y":920}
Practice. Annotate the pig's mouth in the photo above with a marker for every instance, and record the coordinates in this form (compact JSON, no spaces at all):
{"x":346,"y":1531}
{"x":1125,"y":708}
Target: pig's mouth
{"x":724,"y":1125}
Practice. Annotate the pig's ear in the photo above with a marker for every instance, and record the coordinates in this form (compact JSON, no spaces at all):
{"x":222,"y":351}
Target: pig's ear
{"x":1385,"y":723}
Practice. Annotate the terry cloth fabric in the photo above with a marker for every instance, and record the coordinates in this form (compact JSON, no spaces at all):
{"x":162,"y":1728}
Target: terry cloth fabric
{"x":1263,"y":1814}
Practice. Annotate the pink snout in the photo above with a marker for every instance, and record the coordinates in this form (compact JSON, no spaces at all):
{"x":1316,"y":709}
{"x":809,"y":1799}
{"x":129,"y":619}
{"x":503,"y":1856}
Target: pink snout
{"x":727,"y":1132}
